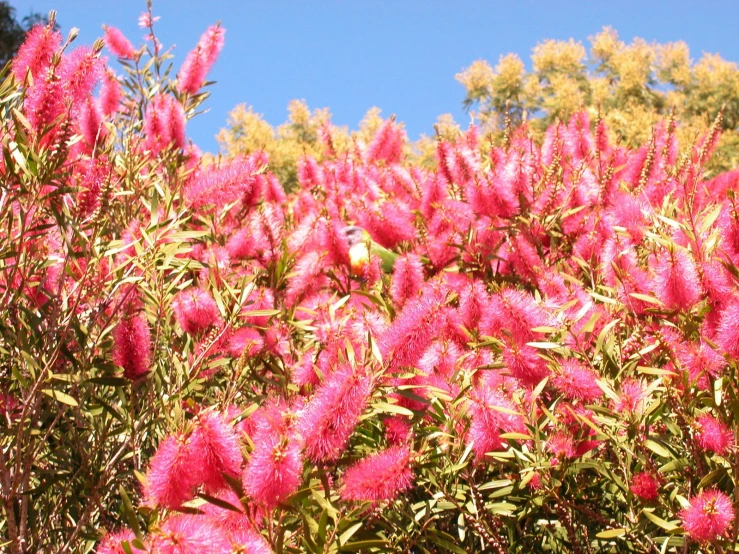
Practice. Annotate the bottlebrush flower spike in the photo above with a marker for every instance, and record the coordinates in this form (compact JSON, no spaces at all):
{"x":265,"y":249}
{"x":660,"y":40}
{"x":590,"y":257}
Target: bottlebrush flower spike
{"x":414,"y":328}
{"x":246,"y":541}
{"x":170,"y":480}
{"x":727,"y":334}
{"x":645,"y":486}
{"x":132,"y":346}
{"x":216,"y":451}
{"x":329,"y":418}
{"x":223,"y":185}
{"x":492,"y":415}
{"x":407,"y":278}
{"x":388,"y":143}
{"x":575,"y":380}
{"x":274,"y":470}
{"x":110,"y":94}
{"x":708,"y":517}
{"x":164,"y":124}
{"x":118,"y":44}
{"x":112,"y":543}
{"x":714,"y":435}
{"x":190,"y":534}
{"x":79,"y":72}
{"x":195,"y":310}
{"x":677,"y":283}
{"x":379,"y":477}
{"x":35,"y":53}
{"x":199,"y":61}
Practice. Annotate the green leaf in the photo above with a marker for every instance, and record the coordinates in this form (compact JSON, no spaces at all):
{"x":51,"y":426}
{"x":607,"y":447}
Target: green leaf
{"x":666,"y":525}
{"x":612,"y":533}
{"x":657,"y":448}
{"x":392,"y":409}
{"x":361,"y":545}
{"x":218,"y":502}
{"x":544,"y":345}
{"x":346,"y":535}
{"x":130,"y":514}
{"x":60,"y":397}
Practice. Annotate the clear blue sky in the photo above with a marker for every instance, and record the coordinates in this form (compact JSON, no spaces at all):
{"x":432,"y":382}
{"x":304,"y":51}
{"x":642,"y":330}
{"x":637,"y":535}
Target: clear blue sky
{"x":399,"y":55}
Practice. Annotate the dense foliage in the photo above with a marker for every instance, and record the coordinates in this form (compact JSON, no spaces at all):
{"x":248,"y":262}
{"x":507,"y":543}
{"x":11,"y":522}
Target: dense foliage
{"x":531,"y":347}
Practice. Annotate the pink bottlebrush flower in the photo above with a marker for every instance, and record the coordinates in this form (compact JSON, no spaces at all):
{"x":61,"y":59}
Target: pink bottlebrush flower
{"x":232,"y":519}
{"x":397,"y":429}
{"x":492,"y":415}
{"x":274,"y":470}
{"x":379,"y":477}
{"x":118,"y":44}
{"x":727,"y":334}
{"x":304,"y":370}
{"x":676,"y":282}
{"x":195,"y":310}
{"x":525,"y":364}
{"x":414,"y":328}
{"x":223,"y":185}
{"x":132,"y":346}
{"x":110,"y":94}
{"x":164,"y":124}
{"x":388,"y":143}
{"x":216,"y":450}
{"x":241,"y":244}
{"x":247,"y":541}
{"x":79,"y":72}
{"x":190,"y":534}
{"x":561,"y":445}
{"x":472,"y":302}
{"x":44,"y":103}
{"x":329,"y":418}
{"x":514,"y":313}
{"x":112,"y":543}
{"x":90,"y":122}
{"x":307,"y":277}
{"x":199,"y":61}
{"x":35,"y":53}
{"x":440,"y":358}
{"x":632,"y":397}
{"x":245,"y":341}
{"x":575,"y":380}
{"x":645,"y":486}
{"x":708,"y":516}
{"x":170,"y":480}
{"x":701,"y":362}
{"x":714,"y":435}
{"x":407,"y":278}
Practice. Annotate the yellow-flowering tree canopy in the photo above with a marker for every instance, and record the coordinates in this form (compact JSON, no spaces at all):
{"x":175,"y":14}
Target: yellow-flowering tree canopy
{"x":631,"y":86}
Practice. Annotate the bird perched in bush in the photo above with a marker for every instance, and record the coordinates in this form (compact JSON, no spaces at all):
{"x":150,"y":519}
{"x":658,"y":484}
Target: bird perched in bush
{"x":362,"y":248}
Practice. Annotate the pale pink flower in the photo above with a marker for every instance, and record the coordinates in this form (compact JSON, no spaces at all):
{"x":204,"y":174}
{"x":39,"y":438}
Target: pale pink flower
{"x":118,"y":44}
{"x":709,"y":516}
{"x":379,"y":477}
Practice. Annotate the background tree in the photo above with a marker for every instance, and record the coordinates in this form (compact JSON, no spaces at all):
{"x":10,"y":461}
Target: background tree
{"x":632,"y":85}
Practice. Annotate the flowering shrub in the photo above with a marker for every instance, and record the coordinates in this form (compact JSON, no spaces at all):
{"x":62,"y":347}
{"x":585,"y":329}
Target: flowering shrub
{"x":532,"y":347}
